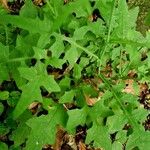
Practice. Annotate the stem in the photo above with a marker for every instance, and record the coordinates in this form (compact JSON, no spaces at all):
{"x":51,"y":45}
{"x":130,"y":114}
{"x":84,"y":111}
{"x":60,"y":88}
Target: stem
{"x":131,"y":120}
{"x":109,"y":31}
{"x":16,"y":59}
{"x":77,"y":45}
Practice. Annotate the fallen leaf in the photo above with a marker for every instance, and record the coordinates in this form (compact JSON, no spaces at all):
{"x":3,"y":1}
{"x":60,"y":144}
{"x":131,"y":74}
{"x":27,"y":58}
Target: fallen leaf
{"x":59,"y":138}
{"x":38,"y":2}
{"x":129,"y":87}
{"x":132,"y":74}
{"x":90,"y":101}
{"x":4,"y":3}
{"x":143,"y":87}
{"x":33,"y":105}
{"x":82,"y":146}
{"x":72,"y":142}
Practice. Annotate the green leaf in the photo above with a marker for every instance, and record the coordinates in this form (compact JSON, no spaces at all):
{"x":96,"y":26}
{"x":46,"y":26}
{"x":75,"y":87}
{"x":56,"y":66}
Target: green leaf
{"x":81,"y":8}
{"x":4,"y":55}
{"x":20,"y":134}
{"x":133,"y":14}
{"x":99,"y":134}
{"x":140,"y":114}
{"x":123,"y":25}
{"x":3,"y":146}
{"x":99,"y":110}
{"x":29,"y":10}
{"x":76,"y":117}
{"x":65,"y":83}
{"x":57,"y":48}
{"x":32,"y":25}
{"x":3,"y":130}
{"x":117,"y":146}
{"x":1,"y":108}
{"x":67,"y":97}
{"x":106,"y":9}
{"x":43,"y":40}
{"x":4,"y":95}
{"x":31,"y":91}
{"x":77,"y":71}
{"x":3,"y":73}
{"x":80,"y":32}
{"x":13,"y":98}
{"x":55,"y":62}
{"x":140,"y":140}
{"x":116,"y":123}
{"x":43,"y":128}
{"x":72,"y":55}
{"x":121,"y":136}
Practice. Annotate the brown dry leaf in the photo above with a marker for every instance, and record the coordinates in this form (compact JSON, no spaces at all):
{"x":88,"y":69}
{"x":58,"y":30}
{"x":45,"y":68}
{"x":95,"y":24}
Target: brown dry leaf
{"x":107,"y":71}
{"x":59,"y":138}
{"x":82,"y":146}
{"x":129,"y":88}
{"x":47,"y":147}
{"x":33,"y":105}
{"x":132,"y":74}
{"x":90,"y":101}
{"x":72,"y":142}
{"x":143,"y":87}
{"x":4,"y":3}
{"x":38,"y":2}
{"x":94,"y":82}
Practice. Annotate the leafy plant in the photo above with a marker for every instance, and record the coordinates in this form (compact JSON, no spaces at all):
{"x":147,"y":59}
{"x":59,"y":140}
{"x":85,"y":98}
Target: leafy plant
{"x":65,"y":64}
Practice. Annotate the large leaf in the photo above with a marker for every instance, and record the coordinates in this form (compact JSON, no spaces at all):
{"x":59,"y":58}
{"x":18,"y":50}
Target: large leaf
{"x":32,"y":25}
{"x":116,"y":123}
{"x":72,"y":55}
{"x":31,"y":91}
{"x":4,"y":55}
{"x":140,"y":140}
{"x":99,"y":134}
{"x":123,"y":25}
{"x":67,"y":97}
{"x":20,"y":134}
{"x":43,"y":128}
{"x":76,"y":117}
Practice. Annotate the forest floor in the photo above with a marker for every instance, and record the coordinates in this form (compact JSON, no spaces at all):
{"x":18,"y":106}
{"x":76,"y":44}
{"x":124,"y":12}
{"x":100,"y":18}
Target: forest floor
{"x":67,"y":141}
